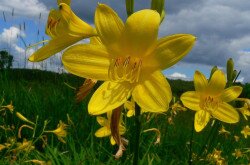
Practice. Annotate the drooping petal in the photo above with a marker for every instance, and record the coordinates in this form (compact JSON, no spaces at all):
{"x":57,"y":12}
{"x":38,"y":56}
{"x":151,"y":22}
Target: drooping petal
{"x":153,"y":94}
{"x":231,"y":93}
{"x":109,"y":96}
{"x":140,"y":33}
{"x":76,"y":26}
{"x":226,"y":113}
{"x":171,"y":49}
{"x":102,"y":121}
{"x":103,"y":132}
{"x":109,"y":27}
{"x":54,"y":46}
{"x":200,"y":82}
{"x":88,"y":61}
{"x":200,"y":120}
{"x":217,"y":83}
{"x":191,"y":100}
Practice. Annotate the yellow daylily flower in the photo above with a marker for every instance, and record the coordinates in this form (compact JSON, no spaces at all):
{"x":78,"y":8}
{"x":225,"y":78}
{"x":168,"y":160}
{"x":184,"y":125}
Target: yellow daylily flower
{"x":246,"y":131}
{"x":60,"y":131}
{"x":129,"y":60}
{"x":210,"y":99}
{"x":245,"y":110}
{"x":10,"y":107}
{"x":106,"y":130}
{"x":237,"y":153}
{"x":65,"y":29}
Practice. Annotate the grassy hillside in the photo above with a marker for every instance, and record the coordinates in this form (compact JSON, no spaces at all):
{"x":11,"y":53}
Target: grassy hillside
{"x":45,"y":96}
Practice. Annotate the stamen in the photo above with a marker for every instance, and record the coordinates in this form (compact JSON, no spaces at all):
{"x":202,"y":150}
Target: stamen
{"x":209,"y":104}
{"x":125,"y":69}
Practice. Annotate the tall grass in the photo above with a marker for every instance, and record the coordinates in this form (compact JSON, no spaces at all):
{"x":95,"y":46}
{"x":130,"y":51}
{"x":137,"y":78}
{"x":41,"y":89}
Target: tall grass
{"x":44,"y":94}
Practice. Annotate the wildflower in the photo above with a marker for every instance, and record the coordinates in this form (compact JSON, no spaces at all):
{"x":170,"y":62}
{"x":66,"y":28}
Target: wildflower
{"x":237,"y":153}
{"x":210,"y":99}
{"x":129,"y":61}
{"x":224,"y":131}
{"x":177,"y":107}
{"x":246,"y":131}
{"x":10,"y":107}
{"x":60,"y":131}
{"x":24,"y":146}
{"x":106,"y":129}
{"x":65,"y":29}
{"x":236,"y":138}
{"x":215,"y":157}
{"x":245,"y":110}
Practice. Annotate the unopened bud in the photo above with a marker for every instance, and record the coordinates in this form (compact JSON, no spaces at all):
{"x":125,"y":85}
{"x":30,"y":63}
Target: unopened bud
{"x":130,"y":7}
{"x":20,"y":116}
{"x":230,"y":70}
{"x":212,"y":71}
{"x":235,"y":72}
{"x":158,"y":5}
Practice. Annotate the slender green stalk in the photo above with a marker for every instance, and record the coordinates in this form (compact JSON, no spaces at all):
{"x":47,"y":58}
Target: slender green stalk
{"x":190,"y":161}
{"x":137,"y":134}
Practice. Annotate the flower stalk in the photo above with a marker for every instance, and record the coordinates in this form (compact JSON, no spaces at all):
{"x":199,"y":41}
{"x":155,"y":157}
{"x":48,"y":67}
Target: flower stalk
{"x":137,"y":134}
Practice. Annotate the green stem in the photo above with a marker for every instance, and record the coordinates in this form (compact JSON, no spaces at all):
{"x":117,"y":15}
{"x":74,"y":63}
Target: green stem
{"x":137,"y":134}
{"x":190,"y":161}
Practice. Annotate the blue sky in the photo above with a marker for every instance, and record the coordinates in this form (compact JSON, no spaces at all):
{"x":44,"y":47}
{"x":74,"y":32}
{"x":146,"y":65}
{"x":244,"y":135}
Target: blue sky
{"x":222,"y":28}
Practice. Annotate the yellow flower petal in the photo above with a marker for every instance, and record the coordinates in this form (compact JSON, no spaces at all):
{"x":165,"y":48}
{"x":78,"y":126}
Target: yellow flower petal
{"x":112,"y":140}
{"x":109,"y":27}
{"x":103,"y":132}
{"x":153,"y":94}
{"x":226,"y":113}
{"x":76,"y":26}
{"x":109,"y":96}
{"x":200,"y":120}
{"x":140,"y":33}
{"x":55,"y":26}
{"x":191,"y":100}
{"x":54,"y":46}
{"x":200,"y":82}
{"x":231,"y":93}
{"x":217,"y":83}
{"x":102,"y":121}
{"x":171,"y":49}
{"x":88,"y":61}
{"x":96,"y":41}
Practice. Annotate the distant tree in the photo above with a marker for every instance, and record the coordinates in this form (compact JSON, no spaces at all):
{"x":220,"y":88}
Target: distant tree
{"x":6,"y":60}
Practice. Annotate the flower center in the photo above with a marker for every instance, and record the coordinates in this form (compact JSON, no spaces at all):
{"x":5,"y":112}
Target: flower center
{"x":209,"y":104}
{"x":125,"y":69}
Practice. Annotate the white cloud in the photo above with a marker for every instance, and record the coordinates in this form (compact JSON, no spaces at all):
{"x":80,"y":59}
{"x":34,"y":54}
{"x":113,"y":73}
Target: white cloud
{"x":27,"y":8}
{"x":10,"y":35}
{"x":241,"y":80}
{"x":177,"y":75}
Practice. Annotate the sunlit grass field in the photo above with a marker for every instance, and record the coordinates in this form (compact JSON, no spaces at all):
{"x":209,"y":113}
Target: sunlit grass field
{"x":41,"y":95}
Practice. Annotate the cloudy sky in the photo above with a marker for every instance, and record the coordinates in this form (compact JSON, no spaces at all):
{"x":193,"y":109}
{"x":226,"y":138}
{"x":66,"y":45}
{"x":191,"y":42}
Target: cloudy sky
{"x":222,"y":28}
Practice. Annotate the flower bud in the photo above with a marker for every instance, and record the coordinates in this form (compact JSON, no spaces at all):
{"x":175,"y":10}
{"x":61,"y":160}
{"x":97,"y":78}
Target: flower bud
{"x":230,"y":70}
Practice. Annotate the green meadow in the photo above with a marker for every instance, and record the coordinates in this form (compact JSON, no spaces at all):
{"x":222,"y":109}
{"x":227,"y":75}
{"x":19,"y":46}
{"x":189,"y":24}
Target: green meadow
{"x":43,"y":96}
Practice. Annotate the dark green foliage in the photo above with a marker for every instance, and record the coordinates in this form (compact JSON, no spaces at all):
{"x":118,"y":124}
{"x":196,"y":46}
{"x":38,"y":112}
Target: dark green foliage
{"x":5,"y":60}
